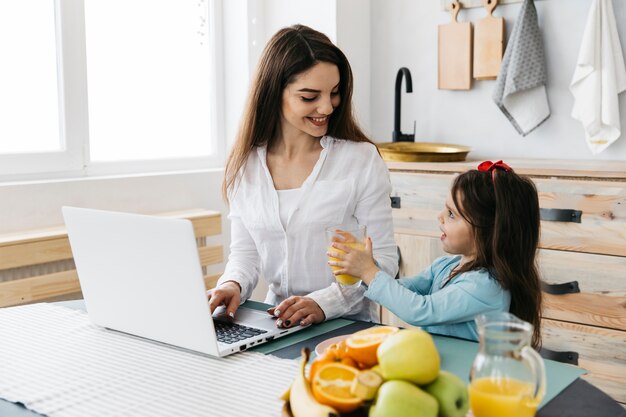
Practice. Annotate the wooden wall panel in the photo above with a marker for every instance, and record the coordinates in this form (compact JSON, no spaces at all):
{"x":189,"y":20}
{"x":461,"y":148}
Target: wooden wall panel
{"x":47,"y":246}
{"x":602,"y":352}
{"x":603,"y":203}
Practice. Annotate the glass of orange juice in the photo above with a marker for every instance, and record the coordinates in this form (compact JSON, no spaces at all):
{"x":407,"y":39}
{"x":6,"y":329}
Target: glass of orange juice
{"x":508,"y":376}
{"x":352,"y":236}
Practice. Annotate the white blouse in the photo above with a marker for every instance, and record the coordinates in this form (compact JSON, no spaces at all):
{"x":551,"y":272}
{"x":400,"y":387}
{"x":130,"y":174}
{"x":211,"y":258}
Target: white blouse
{"x":287,"y":201}
{"x":349,"y":185}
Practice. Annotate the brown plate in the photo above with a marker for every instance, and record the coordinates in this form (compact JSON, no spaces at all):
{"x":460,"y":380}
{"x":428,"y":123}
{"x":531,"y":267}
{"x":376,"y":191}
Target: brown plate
{"x":422,"y":152}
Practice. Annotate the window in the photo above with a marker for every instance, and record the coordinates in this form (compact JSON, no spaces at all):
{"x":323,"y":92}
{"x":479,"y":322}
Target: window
{"x":108,"y":87}
{"x":28,"y":78}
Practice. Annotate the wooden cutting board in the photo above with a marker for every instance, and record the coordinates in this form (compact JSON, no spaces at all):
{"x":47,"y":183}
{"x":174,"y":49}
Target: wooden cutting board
{"x":455,"y":53}
{"x":488,"y":43}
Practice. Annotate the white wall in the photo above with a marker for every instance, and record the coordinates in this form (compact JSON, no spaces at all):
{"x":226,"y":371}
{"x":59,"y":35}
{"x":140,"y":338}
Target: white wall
{"x":378,"y":36}
{"x":319,"y":14}
{"x":404,"y":33}
{"x":354,"y":40}
{"x":31,"y":205}
{"x":237,"y":63}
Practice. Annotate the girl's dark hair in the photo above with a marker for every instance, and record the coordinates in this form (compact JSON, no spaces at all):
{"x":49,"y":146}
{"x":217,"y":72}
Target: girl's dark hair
{"x":290,"y":52}
{"x":503,"y":210}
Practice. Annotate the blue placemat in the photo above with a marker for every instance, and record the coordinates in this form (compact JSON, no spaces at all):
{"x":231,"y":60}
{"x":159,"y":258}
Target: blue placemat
{"x":292,"y":339}
{"x":457,"y":356}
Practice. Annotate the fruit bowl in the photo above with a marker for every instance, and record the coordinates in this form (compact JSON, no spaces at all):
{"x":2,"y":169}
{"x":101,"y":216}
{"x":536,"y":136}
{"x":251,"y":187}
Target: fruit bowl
{"x":381,"y":371}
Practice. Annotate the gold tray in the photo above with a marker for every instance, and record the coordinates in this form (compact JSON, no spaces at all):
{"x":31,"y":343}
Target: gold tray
{"x":422,"y":152}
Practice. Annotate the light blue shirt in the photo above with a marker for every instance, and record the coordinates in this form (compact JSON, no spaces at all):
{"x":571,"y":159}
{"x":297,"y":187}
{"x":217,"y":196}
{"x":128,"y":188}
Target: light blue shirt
{"x":449,"y":309}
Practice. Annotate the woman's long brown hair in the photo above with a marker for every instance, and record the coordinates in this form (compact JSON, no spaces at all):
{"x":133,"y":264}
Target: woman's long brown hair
{"x":503,"y":210}
{"x":290,"y":52}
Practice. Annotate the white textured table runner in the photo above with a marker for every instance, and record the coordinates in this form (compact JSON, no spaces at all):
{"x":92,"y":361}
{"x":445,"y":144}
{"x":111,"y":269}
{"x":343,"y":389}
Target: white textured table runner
{"x":55,"y":362}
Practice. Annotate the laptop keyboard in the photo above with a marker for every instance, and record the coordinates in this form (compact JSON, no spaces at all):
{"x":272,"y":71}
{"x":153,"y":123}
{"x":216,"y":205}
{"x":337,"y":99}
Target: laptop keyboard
{"x":228,"y":332}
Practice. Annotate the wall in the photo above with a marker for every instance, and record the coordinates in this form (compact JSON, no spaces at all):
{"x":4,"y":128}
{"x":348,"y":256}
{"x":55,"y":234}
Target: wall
{"x":354,"y":40}
{"x":404,"y":33}
{"x":37,"y":204}
{"x":378,"y":36}
{"x":237,"y":63}
{"x":319,"y":14}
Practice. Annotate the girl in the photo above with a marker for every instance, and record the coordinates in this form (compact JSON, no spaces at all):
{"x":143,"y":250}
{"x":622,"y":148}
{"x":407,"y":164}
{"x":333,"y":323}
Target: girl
{"x":490,"y":224}
{"x":300,"y":164}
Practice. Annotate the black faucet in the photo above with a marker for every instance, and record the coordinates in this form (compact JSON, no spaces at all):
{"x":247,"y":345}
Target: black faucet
{"x":398,"y":136}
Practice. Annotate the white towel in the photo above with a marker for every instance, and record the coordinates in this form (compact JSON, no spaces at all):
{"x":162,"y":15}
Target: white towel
{"x":520,"y":91}
{"x":599,"y":77}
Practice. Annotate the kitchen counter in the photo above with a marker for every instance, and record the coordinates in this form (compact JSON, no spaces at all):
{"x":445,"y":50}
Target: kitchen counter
{"x":534,"y":167}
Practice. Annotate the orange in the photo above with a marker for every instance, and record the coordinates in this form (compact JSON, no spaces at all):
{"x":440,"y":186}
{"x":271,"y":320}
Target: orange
{"x":362,"y":345}
{"x":331,"y":386}
{"x":335,"y":353}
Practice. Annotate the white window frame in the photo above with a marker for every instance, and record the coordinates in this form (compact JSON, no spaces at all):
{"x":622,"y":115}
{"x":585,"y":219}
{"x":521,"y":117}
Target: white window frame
{"x":73,"y":161}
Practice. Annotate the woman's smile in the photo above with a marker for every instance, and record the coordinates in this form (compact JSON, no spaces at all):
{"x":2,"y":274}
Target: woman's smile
{"x":319,"y":121}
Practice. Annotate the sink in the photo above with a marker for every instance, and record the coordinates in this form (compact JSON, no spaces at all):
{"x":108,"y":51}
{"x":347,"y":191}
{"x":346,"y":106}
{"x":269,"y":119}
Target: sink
{"x":422,"y":152}
{"x":403,"y":147}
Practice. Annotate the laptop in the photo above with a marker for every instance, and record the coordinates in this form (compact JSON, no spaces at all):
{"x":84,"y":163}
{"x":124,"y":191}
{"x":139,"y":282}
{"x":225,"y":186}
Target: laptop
{"x":141,"y":275}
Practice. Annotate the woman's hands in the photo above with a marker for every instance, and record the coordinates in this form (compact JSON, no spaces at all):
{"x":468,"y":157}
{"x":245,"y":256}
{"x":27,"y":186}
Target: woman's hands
{"x":297,"y":310}
{"x":228,"y":294}
{"x":356,"y":262}
{"x":292,"y":311}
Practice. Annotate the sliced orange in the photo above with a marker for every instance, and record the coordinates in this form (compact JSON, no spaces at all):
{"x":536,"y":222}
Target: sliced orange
{"x":332,"y":354}
{"x":331,"y":386}
{"x":362,"y":345}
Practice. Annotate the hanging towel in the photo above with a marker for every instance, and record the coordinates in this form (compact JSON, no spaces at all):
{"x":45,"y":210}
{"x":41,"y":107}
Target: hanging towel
{"x":599,"y":77}
{"x":521,"y":85}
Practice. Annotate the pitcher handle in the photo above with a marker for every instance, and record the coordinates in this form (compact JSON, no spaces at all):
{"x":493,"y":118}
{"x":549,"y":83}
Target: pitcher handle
{"x":535,"y":361}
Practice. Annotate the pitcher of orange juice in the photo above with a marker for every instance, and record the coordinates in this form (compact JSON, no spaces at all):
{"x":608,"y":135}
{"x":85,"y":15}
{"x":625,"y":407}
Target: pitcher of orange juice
{"x":508,"y":377}
{"x":352,"y":236}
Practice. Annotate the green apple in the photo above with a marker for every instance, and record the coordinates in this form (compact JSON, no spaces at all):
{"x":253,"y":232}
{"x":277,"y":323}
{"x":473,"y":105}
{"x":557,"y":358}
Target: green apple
{"x":410,"y":355}
{"x":400,"y":398}
{"x":451,"y":394}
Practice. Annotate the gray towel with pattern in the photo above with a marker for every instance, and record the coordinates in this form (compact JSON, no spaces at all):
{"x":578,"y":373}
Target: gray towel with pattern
{"x":520,"y":90}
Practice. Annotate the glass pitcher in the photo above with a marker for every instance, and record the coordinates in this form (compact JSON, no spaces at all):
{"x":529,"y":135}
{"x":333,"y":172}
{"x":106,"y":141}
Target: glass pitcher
{"x":508,"y":377}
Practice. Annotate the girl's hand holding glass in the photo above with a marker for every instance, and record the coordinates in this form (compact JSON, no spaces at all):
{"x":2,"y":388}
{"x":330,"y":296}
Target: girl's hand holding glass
{"x":353,"y":261}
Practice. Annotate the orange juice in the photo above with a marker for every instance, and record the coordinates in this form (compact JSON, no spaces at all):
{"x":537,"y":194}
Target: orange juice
{"x":502,"y":397}
{"x":344,"y":278}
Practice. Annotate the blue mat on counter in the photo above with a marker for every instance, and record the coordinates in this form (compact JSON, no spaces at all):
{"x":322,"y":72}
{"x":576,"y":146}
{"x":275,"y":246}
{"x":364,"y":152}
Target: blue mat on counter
{"x":294,"y":338}
{"x":457,"y":356}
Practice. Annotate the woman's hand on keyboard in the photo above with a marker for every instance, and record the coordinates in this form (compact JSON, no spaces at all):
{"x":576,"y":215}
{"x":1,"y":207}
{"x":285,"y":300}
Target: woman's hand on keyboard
{"x":297,"y":310}
{"x":228,"y":294}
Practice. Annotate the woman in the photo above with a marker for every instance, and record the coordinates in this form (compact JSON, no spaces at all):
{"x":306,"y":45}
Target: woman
{"x":300,"y":164}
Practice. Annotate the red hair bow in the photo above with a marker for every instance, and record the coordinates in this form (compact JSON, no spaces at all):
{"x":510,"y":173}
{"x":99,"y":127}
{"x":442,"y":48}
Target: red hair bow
{"x":490,"y":166}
